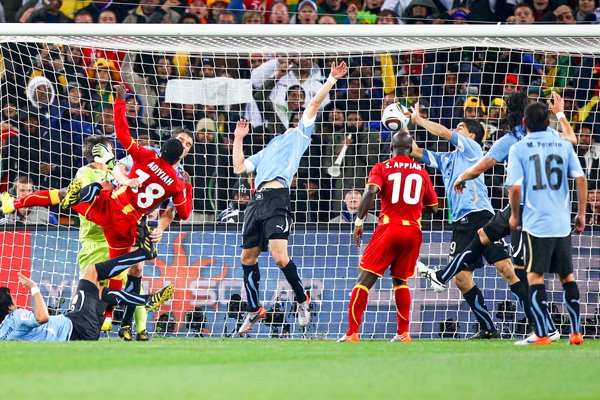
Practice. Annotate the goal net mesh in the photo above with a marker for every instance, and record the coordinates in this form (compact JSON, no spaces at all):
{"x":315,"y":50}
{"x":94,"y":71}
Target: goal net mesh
{"x":57,"y":91}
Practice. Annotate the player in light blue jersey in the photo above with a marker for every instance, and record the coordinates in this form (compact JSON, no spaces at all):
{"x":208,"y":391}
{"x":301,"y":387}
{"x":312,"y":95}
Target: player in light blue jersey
{"x":538,"y":168}
{"x":83,"y":320}
{"x":268,"y":218}
{"x":470,"y":212}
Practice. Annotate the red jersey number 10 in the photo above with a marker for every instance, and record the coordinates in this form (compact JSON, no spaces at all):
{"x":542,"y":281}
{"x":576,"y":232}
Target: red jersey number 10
{"x":408,"y":195}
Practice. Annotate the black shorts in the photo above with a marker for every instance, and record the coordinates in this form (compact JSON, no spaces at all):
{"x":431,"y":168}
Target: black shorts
{"x":463,"y":232}
{"x":268,"y":216}
{"x":87,"y":312}
{"x":548,"y":255}
{"x":498,"y":228}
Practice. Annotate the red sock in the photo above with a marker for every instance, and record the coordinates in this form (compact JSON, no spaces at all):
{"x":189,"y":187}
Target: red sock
{"x":402,"y":298}
{"x":356,"y":308}
{"x":116,"y":284}
{"x":42,"y":198}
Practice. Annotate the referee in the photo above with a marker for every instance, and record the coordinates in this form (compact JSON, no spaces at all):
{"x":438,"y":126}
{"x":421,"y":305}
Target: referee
{"x":268,"y":217}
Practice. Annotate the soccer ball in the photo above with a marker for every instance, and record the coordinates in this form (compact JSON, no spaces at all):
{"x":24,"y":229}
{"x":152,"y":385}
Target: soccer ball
{"x":395,"y":117}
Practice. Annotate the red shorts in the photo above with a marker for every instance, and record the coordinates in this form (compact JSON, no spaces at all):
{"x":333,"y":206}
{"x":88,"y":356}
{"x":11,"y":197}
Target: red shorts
{"x":120,"y":229}
{"x":394,"y":246}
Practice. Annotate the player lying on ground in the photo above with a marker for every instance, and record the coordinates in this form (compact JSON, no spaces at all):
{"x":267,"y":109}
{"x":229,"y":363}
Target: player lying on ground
{"x":537,"y":175}
{"x":405,"y":187}
{"x":268,"y":217}
{"x":470,"y":212}
{"x":83,"y":321}
{"x":498,"y":227}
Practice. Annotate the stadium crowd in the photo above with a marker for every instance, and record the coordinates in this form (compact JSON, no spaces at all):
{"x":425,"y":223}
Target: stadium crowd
{"x":54,"y":96}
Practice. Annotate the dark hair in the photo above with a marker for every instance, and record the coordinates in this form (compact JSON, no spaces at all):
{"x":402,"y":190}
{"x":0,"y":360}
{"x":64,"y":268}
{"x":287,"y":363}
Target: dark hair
{"x":6,"y":302}
{"x":515,"y":106}
{"x":475,"y":128}
{"x":190,"y":15}
{"x":90,"y":142}
{"x":177,"y":131}
{"x":83,"y":12}
{"x":537,"y":117}
{"x":171,"y":151}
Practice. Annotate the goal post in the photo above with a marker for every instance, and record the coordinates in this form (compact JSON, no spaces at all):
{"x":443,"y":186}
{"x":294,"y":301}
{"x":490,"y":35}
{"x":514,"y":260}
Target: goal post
{"x":57,"y":88}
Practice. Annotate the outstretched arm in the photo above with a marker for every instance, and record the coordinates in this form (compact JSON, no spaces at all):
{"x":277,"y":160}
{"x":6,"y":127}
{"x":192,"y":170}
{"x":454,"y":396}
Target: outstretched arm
{"x":365,"y":204}
{"x":431,"y":127}
{"x":241,"y":130}
{"x":337,"y":72}
{"x":557,"y":105}
{"x":184,"y":204}
{"x":40,"y":311}
{"x":473,"y":172}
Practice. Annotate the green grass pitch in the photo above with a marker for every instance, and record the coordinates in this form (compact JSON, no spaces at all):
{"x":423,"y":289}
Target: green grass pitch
{"x":172,"y":369}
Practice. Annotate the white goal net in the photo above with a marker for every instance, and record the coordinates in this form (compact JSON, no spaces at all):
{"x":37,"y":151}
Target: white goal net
{"x":57,"y":89}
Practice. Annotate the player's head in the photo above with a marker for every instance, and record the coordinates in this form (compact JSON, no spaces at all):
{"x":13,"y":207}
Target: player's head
{"x":401,"y":143}
{"x":90,"y":142}
{"x":171,"y":151}
{"x":537,"y":117}
{"x":515,"y":107}
{"x":472,"y":129}
{"x":7,"y":303}
{"x":186,"y":138}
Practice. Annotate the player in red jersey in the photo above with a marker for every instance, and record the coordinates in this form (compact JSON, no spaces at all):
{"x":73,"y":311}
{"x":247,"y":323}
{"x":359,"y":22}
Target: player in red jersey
{"x":405,"y":188}
{"x":120,"y":211}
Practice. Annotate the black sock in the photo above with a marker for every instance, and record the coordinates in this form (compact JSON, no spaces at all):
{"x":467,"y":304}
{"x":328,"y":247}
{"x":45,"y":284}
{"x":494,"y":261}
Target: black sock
{"x":571,"y":299}
{"x":114,"y":266}
{"x":539,"y":309}
{"x":521,"y":292}
{"x":251,"y":281}
{"x":291,"y":274}
{"x":134,"y":286}
{"x":468,"y":256}
{"x":120,"y":297}
{"x":89,"y":192}
{"x":474,"y":298}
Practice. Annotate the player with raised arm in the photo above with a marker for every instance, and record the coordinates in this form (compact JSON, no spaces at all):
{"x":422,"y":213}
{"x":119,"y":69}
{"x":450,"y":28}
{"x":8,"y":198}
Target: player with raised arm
{"x":470,"y":212}
{"x":268,"y":218}
{"x":537,"y":176}
{"x":83,"y":320}
{"x":405,"y":187}
{"x":498,"y":227}
{"x":120,"y":211}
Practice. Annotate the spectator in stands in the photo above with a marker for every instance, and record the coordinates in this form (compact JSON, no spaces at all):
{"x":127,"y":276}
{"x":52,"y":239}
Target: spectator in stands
{"x":420,"y":12}
{"x":510,"y":84}
{"x":83,"y":17}
{"x":226,"y":17}
{"x":593,"y":203}
{"x":543,"y":8}
{"x":584,"y":8}
{"x":103,"y":76}
{"x":307,"y":12}
{"x":29,"y":151}
{"x":445,"y":103}
{"x":337,"y":8}
{"x":388,"y":17}
{"x":51,"y":65}
{"x":588,"y":152}
{"x":107,"y":12}
{"x":49,"y":13}
{"x":496,"y":111}
{"x":149,"y":12}
{"x":565,"y":15}
{"x":326,"y":19}
{"x":252,"y":17}
{"x":535,"y":93}
{"x":199,"y":9}
{"x":279,"y":13}
{"x":474,"y":108}
{"x":216,"y":7}
{"x":350,"y":209}
{"x":523,"y":15}
{"x":189,"y":19}
{"x":24,"y":186}
{"x":240,"y":196}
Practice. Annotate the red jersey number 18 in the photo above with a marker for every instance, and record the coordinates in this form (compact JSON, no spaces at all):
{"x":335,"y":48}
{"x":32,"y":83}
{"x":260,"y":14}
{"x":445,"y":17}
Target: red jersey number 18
{"x":407,"y":196}
{"x":153,"y":191}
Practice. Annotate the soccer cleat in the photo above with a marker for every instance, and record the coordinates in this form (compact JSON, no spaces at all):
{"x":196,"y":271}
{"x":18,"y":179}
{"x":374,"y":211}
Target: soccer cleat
{"x":142,"y":336}
{"x":250,"y":319}
{"x":405,"y":337}
{"x":554,"y":336}
{"x":534,"y":340}
{"x":576,"y":339}
{"x":106,"y":325}
{"x":73,"y":193}
{"x":144,"y":241}
{"x":486,"y":334}
{"x":349,"y":338}
{"x":430,"y":275}
{"x":8,"y":206}
{"x":160,"y":297}
{"x":125,"y":333}
{"x":304,"y":312}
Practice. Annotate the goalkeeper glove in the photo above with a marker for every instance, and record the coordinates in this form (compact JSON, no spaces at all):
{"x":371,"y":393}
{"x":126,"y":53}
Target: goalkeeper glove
{"x":102,"y":154}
